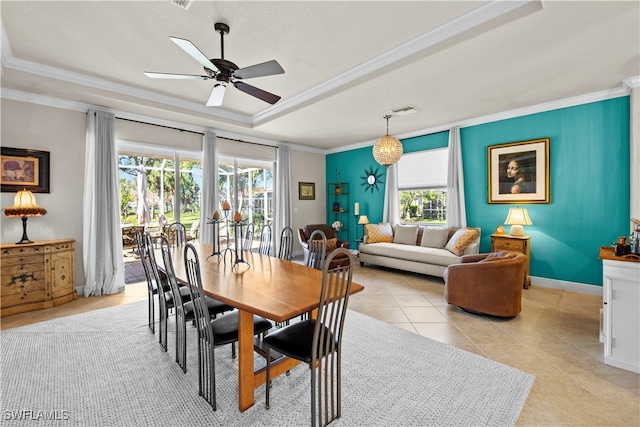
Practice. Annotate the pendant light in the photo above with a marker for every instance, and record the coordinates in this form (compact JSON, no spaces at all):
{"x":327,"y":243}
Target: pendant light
{"x":388,"y":149}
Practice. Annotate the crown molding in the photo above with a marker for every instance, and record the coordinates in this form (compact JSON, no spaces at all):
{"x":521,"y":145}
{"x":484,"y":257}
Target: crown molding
{"x":472,"y":19}
{"x":479,"y":16}
{"x":632,"y":82}
{"x":602,"y":95}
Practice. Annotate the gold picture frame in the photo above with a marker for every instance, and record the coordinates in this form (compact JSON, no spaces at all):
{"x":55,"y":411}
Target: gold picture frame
{"x":518,"y":172}
{"x":306,"y":190}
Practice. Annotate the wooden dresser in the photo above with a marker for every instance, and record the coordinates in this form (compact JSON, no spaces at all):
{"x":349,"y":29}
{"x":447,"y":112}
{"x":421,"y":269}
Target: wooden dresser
{"x":36,"y":275}
{"x":520,"y":244}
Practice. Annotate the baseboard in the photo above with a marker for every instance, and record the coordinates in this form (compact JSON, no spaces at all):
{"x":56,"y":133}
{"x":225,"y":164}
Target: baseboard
{"x":582,"y":288}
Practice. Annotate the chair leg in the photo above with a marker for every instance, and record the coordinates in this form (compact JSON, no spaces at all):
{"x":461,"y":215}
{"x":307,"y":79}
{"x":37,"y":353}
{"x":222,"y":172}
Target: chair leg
{"x":233,"y":350}
{"x":268,"y":380}
{"x":152,"y":320}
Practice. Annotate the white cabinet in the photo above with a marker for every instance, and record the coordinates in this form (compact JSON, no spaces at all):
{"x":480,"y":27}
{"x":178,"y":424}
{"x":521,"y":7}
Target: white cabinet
{"x":621,"y":314}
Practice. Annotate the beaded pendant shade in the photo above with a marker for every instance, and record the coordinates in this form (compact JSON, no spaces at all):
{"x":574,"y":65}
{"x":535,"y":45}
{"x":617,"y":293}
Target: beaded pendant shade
{"x":388,"y":149}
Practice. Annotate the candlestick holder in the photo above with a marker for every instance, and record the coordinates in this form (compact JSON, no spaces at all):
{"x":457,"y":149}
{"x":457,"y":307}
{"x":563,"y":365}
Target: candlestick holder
{"x":216,"y":238}
{"x":237,"y":252}
{"x":226,"y":208}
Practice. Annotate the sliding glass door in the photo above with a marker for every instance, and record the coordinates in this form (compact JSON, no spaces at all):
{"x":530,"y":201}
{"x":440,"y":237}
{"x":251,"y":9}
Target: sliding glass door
{"x":248,"y":186}
{"x":159,"y":187}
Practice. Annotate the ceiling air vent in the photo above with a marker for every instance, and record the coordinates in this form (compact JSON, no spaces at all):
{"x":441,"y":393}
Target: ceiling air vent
{"x":403,"y":111}
{"x":182,"y":3}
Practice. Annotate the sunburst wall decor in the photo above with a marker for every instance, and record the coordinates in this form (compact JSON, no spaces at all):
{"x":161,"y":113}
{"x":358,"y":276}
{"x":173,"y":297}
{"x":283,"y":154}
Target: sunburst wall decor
{"x":371,"y":179}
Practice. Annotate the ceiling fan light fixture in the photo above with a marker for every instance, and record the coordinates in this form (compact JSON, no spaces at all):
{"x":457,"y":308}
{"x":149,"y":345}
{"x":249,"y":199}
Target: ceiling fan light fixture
{"x":388,"y":149}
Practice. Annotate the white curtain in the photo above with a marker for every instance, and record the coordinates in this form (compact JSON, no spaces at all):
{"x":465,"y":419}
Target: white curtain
{"x":209,"y":186}
{"x":102,"y":234}
{"x":456,"y":210}
{"x":391,"y":213}
{"x":283,"y":209}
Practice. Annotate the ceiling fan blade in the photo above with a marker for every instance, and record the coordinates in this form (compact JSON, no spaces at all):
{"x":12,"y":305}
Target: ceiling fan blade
{"x":215,"y":99}
{"x":268,"y":68}
{"x":195,"y":53}
{"x":258,"y":93}
{"x":174,"y":76}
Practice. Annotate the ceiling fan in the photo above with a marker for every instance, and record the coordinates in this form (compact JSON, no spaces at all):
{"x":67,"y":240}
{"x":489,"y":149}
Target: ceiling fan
{"x":224,"y":72}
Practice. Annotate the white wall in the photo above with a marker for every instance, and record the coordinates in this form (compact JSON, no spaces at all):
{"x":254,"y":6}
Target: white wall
{"x":62,"y":133}
{"x":308,"y":167}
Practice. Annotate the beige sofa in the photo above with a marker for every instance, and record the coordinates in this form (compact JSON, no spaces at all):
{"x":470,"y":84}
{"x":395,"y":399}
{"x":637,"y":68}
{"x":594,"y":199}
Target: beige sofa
{"x":429,"y":251}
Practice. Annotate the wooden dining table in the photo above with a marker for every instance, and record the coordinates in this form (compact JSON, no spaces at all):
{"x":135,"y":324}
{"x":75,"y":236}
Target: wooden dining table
{"x":267,"y":286}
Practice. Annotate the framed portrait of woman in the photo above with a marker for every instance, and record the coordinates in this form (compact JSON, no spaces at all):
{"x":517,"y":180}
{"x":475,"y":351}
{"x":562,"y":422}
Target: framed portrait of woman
{"x":518,"y":172}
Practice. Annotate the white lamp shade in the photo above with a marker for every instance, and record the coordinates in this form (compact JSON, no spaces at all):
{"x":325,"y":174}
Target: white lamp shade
{"x":363,"y":220}
{"x":516,"y":218}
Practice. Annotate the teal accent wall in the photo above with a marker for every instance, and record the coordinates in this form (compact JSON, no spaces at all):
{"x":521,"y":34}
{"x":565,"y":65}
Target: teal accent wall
{"x":589,"y":177}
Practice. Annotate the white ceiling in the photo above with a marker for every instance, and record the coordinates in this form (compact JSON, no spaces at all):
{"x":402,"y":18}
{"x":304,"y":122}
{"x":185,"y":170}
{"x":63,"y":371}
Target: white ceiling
{"x":347,"y":63}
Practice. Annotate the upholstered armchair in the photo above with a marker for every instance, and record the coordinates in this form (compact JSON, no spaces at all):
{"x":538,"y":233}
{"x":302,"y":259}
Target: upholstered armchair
{"x":487,"y":283}
{"x":332,"y":240}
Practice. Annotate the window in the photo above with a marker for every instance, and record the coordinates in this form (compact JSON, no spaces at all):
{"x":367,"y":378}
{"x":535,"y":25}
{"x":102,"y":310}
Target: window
{"x":165,"y":173}
{"x":422,"y":186}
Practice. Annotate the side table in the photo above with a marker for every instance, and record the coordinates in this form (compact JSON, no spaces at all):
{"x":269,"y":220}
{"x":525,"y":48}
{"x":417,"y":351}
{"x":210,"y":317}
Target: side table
{"x":520,"y":244}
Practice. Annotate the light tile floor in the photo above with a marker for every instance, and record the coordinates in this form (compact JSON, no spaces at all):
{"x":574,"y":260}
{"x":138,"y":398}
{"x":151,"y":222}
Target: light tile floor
{"x":555,"y":338}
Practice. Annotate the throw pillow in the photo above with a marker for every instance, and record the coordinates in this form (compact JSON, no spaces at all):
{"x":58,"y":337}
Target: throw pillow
{"x":378,"y":233}
{"x":332,"y":244}
{"x":434,"y":237}
{"x":461,"y":239}
{"x":405,"y":234}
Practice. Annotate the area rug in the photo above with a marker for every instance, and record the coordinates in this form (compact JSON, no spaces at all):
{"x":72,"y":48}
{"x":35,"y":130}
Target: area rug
{"x":105,"y":368}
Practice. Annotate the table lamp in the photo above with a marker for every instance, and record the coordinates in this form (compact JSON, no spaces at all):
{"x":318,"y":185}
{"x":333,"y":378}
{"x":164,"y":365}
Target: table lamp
{"x":362,"y":220}
{"x":516,"y":218}
{"x":24,"y":205}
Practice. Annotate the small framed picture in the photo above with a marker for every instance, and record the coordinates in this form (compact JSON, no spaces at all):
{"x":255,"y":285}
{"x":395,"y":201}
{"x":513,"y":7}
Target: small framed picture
{"x":306,"y":190}
{"x":518,"y":172}
{"x":24,"y":169}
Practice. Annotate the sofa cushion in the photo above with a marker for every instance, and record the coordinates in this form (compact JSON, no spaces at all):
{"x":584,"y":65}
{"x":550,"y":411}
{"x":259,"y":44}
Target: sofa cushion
{"x":405,"y":234}
{"x":434,"y":237}
{"x":461,"y":239}
{"x":379,"y":233}
{"x":411,"y":253}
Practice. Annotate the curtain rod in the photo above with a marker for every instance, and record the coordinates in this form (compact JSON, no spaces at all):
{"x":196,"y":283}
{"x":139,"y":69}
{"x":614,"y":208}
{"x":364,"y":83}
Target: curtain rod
{"x":162,"y":126}
{"x":198,"y":133}
{"x":247,"y":142}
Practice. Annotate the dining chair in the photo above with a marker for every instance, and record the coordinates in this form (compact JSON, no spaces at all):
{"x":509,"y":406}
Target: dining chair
{"x":212,"y":333}
{"x":176,"y":233}
{"x":184,"y":311}
{"x":178,"y":305}
{"x":286,"y":244}
{"x":247,"y":243}
{"x":165,"y":296}
{"x":162,"y":291}
{"x":318,"y":342}
{"x":317,"y":250}
{"x":265,"y":240}
{"x":152,"y":289}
